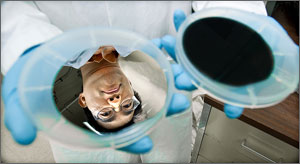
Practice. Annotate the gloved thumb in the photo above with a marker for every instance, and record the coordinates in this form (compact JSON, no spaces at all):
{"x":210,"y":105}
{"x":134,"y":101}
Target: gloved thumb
{"x":182,"y":79}
{"x":18,"y":123}
{"x":178,"y":104}
{"x":169,"y":43}
{"x":144,"y":145}
{"x":178,"y":17}
{"x":233,"y":112}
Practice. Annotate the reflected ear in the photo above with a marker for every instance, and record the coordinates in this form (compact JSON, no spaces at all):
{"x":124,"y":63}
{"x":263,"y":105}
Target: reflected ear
{"x":81,"y":100}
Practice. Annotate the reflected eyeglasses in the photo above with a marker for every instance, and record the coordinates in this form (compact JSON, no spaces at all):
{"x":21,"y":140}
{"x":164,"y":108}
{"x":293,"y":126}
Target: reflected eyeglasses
{"x":127,"y":106}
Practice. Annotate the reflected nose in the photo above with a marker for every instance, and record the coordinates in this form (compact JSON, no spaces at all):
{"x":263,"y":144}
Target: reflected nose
{"x":115,"y":101}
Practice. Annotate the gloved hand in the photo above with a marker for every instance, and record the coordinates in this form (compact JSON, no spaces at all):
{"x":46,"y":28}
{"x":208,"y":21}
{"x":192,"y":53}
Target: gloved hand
{"x":182,"y":79}
{"x":15,"y":119}
{"x":23,"y":129}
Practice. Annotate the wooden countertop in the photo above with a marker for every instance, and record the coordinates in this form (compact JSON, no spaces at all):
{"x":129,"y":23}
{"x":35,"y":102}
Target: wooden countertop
{"x":280,"y":121}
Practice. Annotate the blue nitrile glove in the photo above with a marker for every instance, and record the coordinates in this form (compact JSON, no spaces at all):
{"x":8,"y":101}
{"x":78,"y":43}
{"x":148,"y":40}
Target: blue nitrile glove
{"x":16,"y":120}
{"x":182,"y":79}
{"x":24,"y":131}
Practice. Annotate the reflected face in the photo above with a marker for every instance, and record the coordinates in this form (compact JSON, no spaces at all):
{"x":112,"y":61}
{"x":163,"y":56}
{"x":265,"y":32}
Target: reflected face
{"x":107,"y":93}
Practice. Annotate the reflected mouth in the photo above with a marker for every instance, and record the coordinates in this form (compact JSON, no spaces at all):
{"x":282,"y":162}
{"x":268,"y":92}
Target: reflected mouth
{"x":114,"y":90}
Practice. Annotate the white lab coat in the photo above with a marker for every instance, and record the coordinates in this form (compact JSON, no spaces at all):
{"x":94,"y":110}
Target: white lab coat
{"x":25,"y":24}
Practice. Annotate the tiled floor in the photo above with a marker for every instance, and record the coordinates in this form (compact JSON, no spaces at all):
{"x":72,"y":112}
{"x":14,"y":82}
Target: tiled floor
{"x":11,"y":152}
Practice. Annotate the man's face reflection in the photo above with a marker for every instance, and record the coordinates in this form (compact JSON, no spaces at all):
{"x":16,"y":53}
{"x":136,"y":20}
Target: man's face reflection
{"x":107,"y":93}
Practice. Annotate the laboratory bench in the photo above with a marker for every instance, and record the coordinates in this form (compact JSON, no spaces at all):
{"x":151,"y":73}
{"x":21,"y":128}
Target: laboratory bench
{"x":260,"y":135}
{"x":280,"y":121}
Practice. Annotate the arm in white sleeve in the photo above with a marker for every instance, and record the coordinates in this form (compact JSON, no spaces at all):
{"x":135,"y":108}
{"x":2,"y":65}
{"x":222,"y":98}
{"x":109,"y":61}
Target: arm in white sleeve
{"x":257,"y":7}
{"x":22,"y":26}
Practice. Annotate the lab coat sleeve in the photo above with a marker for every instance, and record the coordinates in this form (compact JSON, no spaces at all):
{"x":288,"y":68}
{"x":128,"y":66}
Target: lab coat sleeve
{"x":257,"y":7}
{"x":22,"y":26}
